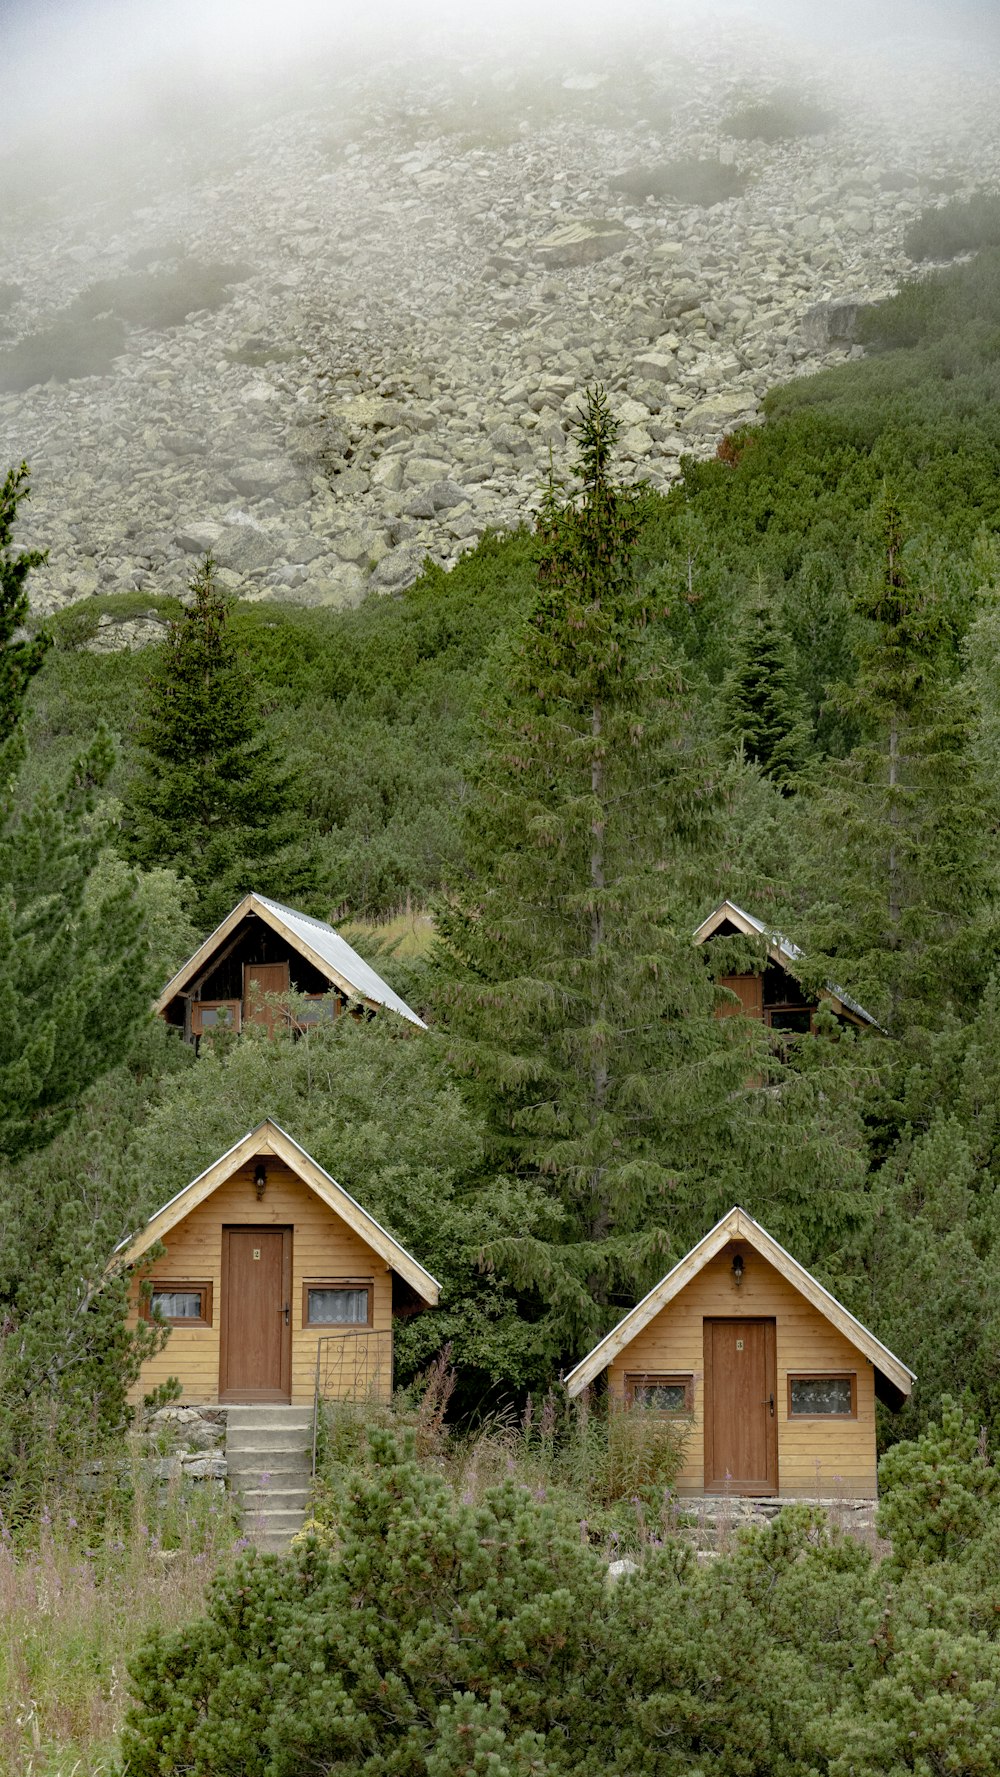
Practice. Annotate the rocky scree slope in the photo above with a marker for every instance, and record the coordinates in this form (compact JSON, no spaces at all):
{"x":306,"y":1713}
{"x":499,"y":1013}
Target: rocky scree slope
{"x":341,"y":336}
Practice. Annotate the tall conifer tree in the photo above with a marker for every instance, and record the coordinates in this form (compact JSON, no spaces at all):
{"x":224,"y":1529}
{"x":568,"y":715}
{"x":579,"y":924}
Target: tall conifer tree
{"x":19,"y":660}
{"x":578,"y":1009}
{"x":900,"y":912}
{"x":212,"y":800}
{"x":763,"y":710}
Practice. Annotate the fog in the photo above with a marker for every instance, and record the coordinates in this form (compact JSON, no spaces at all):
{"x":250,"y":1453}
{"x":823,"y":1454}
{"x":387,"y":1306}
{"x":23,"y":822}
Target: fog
{"x":78,"y":70}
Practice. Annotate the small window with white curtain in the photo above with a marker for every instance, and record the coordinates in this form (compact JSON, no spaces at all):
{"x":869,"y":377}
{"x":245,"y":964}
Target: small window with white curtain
{"x":336,"y":1302}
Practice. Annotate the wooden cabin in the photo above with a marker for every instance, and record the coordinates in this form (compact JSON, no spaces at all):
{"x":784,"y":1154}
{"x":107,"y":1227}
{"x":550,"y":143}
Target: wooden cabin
{"x":263,"y":949}
{"x":774,"y":993}
{"x":774,"y":1380}
{"x":273,"y":1279}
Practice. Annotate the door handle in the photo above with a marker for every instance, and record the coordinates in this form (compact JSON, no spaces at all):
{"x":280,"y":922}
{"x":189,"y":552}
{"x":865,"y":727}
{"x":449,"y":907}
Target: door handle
{"x":769,"y":1403}
{"x":286,"y":1311}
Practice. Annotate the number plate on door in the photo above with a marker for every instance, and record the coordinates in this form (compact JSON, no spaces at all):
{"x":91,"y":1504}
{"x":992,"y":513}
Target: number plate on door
{"x":256,"y":1254}
{"x":739,"y":1342}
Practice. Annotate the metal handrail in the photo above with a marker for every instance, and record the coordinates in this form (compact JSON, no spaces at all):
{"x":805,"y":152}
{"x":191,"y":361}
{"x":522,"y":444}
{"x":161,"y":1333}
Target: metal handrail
{"x":346,"y":1388}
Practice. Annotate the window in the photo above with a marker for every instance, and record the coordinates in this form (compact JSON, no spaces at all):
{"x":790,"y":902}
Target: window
{"x":214,"y":1014}
{"x":337,"y":1302}
{"x":180,"y":1304}
{"x":823,"y":1397}
{"x":663,"y":1394}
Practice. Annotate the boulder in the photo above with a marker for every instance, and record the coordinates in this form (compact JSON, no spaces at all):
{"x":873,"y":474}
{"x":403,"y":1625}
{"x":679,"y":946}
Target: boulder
{"x":719,"y":411}
{"x":582,"y":242}
{"x":832,"y":323}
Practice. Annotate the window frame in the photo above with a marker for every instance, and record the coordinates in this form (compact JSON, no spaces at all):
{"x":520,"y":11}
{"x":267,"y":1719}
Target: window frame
{"x":338,"y":1283}
{"x":167,"y":1285}
{"x":660,"y":1379}
{"x":199,"y":1007}
{"x":850,"y":1376}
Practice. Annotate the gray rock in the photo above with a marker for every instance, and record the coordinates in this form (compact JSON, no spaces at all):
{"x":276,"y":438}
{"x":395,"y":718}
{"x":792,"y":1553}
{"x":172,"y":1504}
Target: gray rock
{"x":244,"y":549}
{"x":832,"y":323}
{"x":398,"y":568}
{"x":199,"y":539}
{"x":582,"y":242}
{"x":203,"y":1468}
{"x":257,"y":479}
{"x":719,"y":411}
{"x":444,"y":495}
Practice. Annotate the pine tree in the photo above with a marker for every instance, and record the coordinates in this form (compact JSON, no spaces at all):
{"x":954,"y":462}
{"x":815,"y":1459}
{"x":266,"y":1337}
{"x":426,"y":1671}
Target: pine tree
{"x":19,"y":660}
{"x":899,"y":859}
{"x":73,"y":962}
{"x":212,"y":801}
{"x":578,"y":1010}
{"x":763,"y":711}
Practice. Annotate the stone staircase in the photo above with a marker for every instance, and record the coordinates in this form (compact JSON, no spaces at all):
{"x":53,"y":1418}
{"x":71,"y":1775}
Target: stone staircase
{"x":269,"y":1456}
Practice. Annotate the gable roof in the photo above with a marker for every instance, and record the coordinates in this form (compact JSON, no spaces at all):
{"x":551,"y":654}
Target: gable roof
{"x":270,"y":1138}
{"x":314,"y":939}
{"x":781,"y":951}
{"x":738,"y":1225}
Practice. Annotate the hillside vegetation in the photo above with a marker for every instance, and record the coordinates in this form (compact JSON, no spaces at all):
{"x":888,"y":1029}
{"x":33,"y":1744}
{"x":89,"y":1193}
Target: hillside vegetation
{"x":777,"y":684}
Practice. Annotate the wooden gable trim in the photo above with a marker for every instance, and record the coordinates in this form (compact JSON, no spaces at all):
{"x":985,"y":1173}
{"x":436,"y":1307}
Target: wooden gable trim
{"x":270,"y":1139}
{"x":187,"y":972}
{"x":737,"y":1225}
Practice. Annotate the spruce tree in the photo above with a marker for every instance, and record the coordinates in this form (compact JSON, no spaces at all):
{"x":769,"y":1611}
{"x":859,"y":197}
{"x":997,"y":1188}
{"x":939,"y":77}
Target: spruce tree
{"x":762,"y":709}
{"x":899,"y":859}
{"x":577,"y":1008}
{"x":212,"y":800}
{"x":19,"y":660}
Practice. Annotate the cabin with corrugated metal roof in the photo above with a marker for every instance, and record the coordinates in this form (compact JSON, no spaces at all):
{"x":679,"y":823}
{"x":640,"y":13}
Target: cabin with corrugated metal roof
{"x":773,"y":993}
{"x":262,"y":951}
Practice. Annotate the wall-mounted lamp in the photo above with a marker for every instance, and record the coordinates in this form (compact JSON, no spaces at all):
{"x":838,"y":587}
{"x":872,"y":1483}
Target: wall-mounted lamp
{"x":737,"y":1269}
{"x":260,"y":1179}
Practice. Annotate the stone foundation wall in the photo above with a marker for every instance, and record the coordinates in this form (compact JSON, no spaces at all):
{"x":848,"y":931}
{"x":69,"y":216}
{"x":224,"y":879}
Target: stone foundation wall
{"x":188,"y":1443}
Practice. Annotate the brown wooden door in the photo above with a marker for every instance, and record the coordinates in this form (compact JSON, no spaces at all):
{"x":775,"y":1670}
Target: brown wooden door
{"x":741,"y":1407}
{"x":255,"y":1360}
{"x":260,"y":979}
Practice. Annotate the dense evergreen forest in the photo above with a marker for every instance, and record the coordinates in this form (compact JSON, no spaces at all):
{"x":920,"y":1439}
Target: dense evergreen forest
{"x":795,"y":653}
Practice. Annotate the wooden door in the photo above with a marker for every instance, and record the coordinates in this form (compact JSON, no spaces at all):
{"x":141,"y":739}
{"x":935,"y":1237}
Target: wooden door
{"x":741,"y":1408}
{"x":255,"y":1359}
{"x":260,"y":979}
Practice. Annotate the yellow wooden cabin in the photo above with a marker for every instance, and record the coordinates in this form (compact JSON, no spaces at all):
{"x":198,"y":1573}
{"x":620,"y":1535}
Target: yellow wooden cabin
{"x":274,"y":1282}
{"x":264,"y":949}
{"x":774,"y":1379}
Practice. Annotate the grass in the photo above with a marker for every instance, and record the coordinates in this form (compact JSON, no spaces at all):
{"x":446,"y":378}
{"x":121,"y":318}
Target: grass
{"x":408,"y":933}
{"x":614,"y":1466}
{"x":75,"y":1603}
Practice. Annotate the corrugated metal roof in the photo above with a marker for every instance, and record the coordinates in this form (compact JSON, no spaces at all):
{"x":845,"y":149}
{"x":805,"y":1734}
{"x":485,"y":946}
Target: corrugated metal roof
{"x":792,"y":954}
{"x":341,"y":957}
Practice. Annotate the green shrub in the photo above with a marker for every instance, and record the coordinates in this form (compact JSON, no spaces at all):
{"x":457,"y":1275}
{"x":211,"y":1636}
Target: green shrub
{"x":68,"y":348}
{"x":436,"y":1623}
{"x":777,"y":119}
{"x":687,"y":181}
{"x":939,"y":1492}
{"x":961,"y":226}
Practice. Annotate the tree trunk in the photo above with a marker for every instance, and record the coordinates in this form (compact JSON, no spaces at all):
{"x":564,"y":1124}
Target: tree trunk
{"x":599,"y":1061}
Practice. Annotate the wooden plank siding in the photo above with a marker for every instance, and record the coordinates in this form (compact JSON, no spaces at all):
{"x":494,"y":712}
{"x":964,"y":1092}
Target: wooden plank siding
{"x":323,"y":1247}
{"x":817,"y":1458}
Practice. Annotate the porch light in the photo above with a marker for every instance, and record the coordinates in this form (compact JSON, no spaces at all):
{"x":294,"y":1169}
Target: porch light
{"x":260,"y":1179}
{"x":737,"y":1269}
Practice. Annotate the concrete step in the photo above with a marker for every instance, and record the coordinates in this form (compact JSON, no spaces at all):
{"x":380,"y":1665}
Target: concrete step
{"x":272,"y":1417}
{"x":274,"y":1523}
{"x":274,"y":1499}
{"x":268,"y":1437}
{"x":270,"y":1462}
{"x":273,"y":1544}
